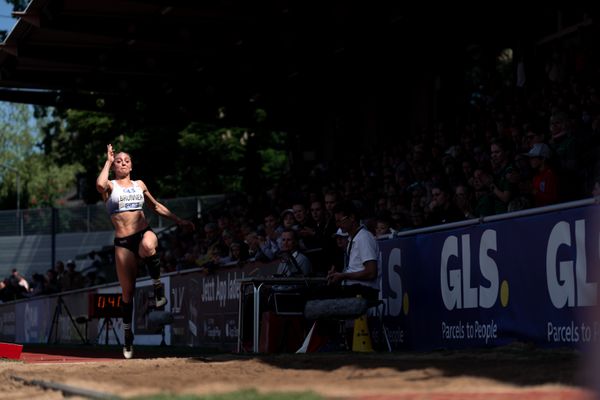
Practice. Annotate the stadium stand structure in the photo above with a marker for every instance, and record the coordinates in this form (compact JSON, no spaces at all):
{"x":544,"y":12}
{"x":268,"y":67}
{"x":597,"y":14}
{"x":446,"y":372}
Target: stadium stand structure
{"x":80,"y":231}
{"x":33,"y":254}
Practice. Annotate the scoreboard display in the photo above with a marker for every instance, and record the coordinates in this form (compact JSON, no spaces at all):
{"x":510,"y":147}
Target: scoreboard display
{"x":105,"y":305}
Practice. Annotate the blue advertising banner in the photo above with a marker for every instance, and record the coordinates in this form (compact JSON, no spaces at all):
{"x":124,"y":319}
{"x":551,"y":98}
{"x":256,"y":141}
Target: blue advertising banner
{"x":35,"y":318}
{"x":7,"y":323}
{"x":523,"y":279}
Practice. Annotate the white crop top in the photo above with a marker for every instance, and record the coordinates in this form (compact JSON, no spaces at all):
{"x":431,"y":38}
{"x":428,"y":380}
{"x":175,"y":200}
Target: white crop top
{"x":125,"y":199}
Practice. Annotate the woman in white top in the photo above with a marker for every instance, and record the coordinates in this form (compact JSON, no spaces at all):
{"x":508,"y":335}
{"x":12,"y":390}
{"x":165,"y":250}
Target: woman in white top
{"x":134,"y":238}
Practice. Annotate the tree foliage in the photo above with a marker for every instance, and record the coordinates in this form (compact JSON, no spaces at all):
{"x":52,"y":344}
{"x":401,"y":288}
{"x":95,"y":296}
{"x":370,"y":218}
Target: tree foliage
{"x":58,"y":154}
{"x":44,"y":180}
{"x":174,"y":159}
{"x":18,"y":5}
{"x":48,"y":184}
{"x":224,"y":159}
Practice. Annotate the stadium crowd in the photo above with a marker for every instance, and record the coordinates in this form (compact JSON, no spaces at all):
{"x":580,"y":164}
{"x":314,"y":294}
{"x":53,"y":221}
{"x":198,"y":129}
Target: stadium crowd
{"x":514,"y":148}
{"x":517,"y":148}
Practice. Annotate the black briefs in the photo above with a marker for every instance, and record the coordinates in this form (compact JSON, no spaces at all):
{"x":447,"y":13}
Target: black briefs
{"x":132,"y":242}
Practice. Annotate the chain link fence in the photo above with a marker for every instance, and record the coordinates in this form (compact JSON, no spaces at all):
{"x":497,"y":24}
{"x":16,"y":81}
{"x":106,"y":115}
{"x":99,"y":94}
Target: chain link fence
{"x":93,"y":218}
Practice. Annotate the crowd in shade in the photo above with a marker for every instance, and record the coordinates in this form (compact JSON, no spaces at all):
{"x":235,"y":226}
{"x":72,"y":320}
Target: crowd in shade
{"x":55,"y":280}
{"x":514,"y":148}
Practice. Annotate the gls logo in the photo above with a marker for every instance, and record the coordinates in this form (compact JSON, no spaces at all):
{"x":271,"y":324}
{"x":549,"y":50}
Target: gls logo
{"x":456,"y":283}
{"x":569,"y":286}
{"x":394,"y":302}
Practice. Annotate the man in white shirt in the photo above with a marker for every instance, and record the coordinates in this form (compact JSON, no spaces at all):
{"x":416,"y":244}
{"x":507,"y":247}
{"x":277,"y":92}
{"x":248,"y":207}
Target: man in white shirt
{"x":361,"y":272}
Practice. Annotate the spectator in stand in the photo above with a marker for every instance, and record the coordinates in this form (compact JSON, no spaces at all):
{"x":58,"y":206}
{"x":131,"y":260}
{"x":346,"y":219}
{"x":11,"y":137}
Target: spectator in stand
{"x":563,"y":145}
{"x":305,"y":228}
{"x":4,"y":297}
{"x":300,"y":214}
{"x":441,"y":209}
{"x":12,"y":290}
{"x":238,"y":254}
{"x":254,"y":251}
{"x":339,"y":258}
{"x":418,"y":197}
{"x":502,"y":186}
{"x":228,"y":238}
{"x":330,"y":199}
{"x":517,"y":138}
{"x":188,"y":261}
{"x":382,"y":206}
{"x":522,"y":165}
{"x":93,"y":279}
{"x":463,"y":200}
{"x":38,"y":285}
{"x":532,"y":136}
{"x":417,"y":219}
{"x":484,"y":199}
{"x":59,"y":267}
{"x":272,"y":226}
{"x":318,"y":220}
{"x":269,"y":236}
{"x":214,"y":242}
{"x":323,"y":240}
{"x":20,"y":279}
{"x":71,"y":279}
{"x":467,"y":171}
{"x":170,"y":262}
{"x":480,"y":157}
{"x":383,"y":229}
{"x":52,"y":285}
{"x":545,"y":184}
{"x":293,"y":262}
{"x":288,"y":222}
{"x":224,"y":223}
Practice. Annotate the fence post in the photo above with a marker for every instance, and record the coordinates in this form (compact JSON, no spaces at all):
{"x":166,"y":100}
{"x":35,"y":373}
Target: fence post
{"x":53,"y":235}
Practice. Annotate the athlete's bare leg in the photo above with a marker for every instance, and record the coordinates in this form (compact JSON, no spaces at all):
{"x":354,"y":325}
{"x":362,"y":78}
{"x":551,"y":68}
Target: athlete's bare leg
{"x":147,"y":250}
{"x":127,"y":273}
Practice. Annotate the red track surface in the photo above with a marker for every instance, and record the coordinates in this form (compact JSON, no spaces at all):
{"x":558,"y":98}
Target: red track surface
{"x":566,"y":394}
{"x":53,"y":354}
{"x":36,"y":358}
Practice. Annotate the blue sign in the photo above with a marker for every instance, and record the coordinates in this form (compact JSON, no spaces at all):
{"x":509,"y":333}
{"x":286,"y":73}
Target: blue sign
{"x":527,"y":279}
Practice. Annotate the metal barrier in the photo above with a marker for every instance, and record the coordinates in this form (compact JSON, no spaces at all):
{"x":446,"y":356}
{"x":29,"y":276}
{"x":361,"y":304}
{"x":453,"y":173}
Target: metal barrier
{"x":499,"y":217}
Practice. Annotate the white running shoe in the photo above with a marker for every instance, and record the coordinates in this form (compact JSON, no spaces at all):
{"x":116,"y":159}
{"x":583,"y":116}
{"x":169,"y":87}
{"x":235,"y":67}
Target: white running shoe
{"x":128,"y":348}
{"x":159,"y":296}
{"x":128,"y":352}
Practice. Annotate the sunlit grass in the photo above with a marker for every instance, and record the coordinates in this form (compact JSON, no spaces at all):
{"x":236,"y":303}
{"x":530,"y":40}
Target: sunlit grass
{"x":244,"y":394}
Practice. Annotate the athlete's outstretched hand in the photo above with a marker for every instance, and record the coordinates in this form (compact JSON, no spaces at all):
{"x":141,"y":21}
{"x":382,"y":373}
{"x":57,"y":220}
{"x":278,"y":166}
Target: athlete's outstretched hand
{"x":110,"y":154}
